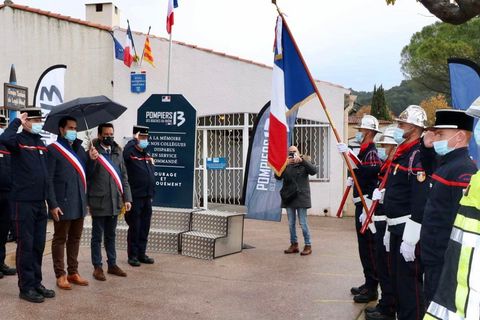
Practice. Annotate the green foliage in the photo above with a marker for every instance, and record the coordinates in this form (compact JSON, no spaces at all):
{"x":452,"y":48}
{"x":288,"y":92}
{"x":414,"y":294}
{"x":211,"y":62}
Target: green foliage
{"x":424,"y":59}
{"x":379,"y":105}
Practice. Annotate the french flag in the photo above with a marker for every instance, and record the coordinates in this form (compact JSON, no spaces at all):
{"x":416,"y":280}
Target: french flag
{"x":291,"y":87}
{"x":172,"y":4}
{"x":128,"y":48}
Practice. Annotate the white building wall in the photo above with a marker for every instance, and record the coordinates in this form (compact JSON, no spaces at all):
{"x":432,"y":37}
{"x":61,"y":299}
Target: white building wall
{"x":212,"y":82}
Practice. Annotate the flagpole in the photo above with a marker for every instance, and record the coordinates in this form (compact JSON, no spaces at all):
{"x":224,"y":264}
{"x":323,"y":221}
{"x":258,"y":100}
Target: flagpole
{"x":143,"y":52}
{"x":133,"y":43}
{"x":317,"y":92}
{"x":169,"y":61}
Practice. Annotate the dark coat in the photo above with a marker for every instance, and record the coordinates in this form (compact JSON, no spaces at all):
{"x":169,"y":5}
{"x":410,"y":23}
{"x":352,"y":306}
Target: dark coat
{"x":298,"y":173}
{"x":28,"y":163}
{"x":5,"y":170}
{"x":104,"y":198}
{"x":367,"y":171}
{"x":140,"y":169}
{"x":66,"y":188}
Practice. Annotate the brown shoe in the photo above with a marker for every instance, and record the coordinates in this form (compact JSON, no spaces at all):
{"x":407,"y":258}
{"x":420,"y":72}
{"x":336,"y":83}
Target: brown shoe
{"x":116,"y":271}
{"x":292,"y":249}
{"x":63,"y":283}
{"x":76,"y":279}
{"x":98,"y":274}
{"x":306,"y":250}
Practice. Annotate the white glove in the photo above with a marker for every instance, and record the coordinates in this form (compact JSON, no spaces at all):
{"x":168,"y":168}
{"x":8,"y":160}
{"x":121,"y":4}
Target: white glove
{"x":362,"y":217}
{"x":408,"y":251}
{"x":349,"y":182}
{"x":386,"y":240}
{"x":378,"y":195}
{"x":342,"y":147}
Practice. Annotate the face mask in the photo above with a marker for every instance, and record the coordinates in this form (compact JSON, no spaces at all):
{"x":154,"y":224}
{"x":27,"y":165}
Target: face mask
{"x":382,"y":154}
{"x":476,"y":134}
{"x":359,"y":137}
{"x":71,"y":135}
{"x":37,"y":128}
{"x":108,"y":141}
{"x":398,"y":135}
{"x":143,"y":144}
{"x":441,"y":147}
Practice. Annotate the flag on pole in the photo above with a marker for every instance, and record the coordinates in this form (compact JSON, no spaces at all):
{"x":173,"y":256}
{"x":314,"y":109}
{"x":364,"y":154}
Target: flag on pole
{"x":118,"y":48}
{"x":172,"y":4}
{"x":147,"y":51}
{"x":128,"y":50}
{"x":291,"y":87}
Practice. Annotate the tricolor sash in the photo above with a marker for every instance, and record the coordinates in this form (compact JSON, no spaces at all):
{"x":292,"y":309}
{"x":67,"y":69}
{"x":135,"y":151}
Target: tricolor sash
{"x":111,"y":170}
{"x":73,"y":160}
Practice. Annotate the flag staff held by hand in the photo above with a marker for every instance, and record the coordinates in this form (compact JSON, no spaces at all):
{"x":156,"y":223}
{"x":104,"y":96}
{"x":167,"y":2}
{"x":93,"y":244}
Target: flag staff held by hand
{"x":335,"y":132}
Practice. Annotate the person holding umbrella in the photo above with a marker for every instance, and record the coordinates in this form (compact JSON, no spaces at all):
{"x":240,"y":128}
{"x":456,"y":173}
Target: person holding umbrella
{"x":141,"y":170}
{"x":108,"y":192}
{"x":30,"y":189}
{"x":67,"y":200}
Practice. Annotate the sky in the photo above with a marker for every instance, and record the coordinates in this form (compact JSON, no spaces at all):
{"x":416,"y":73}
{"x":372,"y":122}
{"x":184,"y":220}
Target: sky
{"x":353,"y":43}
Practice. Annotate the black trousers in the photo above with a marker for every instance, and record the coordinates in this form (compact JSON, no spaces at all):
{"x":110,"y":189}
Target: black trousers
{"x":432,"y":279}
{"x":31,"y":225}
{"x":366,"y":251}
{"x":138,"y":220}
{"x":5,"y":215}
{"x":407,"y":280}
{"x":384,"y":264}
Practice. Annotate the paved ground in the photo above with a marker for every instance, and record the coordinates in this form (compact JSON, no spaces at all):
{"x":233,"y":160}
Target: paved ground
{"x":259,"y":283}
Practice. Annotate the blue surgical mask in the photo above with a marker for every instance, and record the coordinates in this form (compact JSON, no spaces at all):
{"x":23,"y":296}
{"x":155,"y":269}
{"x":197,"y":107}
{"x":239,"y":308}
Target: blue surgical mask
{"x":382,"y":153}
{"x":37,"y":128}
{"x":398,"y":135}
{"x":359,"y":137}
{"x":71,"y":135}
{"x":441,"y":147}
{"x":476,"y":133}
{"x":143,"y":144}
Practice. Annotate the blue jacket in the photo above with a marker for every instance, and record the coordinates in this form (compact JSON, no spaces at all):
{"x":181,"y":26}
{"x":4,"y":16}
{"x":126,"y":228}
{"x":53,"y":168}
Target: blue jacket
{"x":448,"y":182}
{"x":28,"y":162}
{"x":67,"y":189}
{"x":407,"y":186}
{"x":140,"y":170}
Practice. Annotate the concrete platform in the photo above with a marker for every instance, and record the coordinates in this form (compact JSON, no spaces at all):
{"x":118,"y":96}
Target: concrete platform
{"x":259,"y":283}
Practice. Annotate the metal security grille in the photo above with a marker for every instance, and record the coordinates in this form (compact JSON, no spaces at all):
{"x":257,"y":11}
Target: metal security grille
{"x":312,"y":138}
{"x":227,"y":135}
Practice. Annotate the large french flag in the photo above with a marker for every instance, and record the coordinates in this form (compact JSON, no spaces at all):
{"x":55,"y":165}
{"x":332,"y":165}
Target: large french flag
{"x":128,"y":48}
{"x":291,"y":87}
{"x":172,"y":4}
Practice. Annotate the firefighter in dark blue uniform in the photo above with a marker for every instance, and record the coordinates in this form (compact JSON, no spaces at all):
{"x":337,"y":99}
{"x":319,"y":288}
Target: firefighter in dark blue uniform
{"x":385,"y":309}
{"x":405,"y":196}
{"x":5,"y":202}
{"x":140,"y":169}
{"x":367,"y":175}
{"x":453,"y":130}
{"x":29,"y":192}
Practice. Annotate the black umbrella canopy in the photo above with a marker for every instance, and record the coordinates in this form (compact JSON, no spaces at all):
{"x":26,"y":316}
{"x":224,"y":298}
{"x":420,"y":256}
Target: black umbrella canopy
{"x":89,"y":112}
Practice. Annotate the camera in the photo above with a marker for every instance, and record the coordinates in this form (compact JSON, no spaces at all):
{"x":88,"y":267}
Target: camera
{"x":291,"y":155}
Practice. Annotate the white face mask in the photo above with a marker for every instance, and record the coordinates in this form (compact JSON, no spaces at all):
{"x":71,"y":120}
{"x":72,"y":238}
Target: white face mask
{"x":2,"y":130}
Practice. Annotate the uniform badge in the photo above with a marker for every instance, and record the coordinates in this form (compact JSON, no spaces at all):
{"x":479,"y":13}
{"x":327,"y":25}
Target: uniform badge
{"x":421,"y":176}
{"x":395,"y":170}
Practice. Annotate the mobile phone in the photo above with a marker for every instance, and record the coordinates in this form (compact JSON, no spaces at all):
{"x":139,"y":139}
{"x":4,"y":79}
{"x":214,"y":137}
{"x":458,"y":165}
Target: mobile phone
{"x":291,"y":155}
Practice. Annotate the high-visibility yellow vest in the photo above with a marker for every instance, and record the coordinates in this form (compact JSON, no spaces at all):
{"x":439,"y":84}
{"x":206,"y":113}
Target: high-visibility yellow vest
{"x":458,"y":292}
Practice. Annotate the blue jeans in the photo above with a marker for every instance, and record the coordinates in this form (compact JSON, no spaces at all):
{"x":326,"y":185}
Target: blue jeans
{"x":104,"y":227}
{"x":302,"y":218}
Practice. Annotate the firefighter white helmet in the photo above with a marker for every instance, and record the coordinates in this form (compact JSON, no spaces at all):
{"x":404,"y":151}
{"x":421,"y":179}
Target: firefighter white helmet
{"x":368,"y":122}
{"x":387,"y":136}
{"x":414,"y":115}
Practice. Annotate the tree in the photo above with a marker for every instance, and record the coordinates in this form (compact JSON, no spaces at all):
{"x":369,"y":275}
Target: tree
{"x":432,"y":104}
{"x":379,"y":105}
{"x":424,"y":59}
{"x":454,"y":12}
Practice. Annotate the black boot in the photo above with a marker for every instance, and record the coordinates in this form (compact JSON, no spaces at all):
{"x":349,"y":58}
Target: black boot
{"x":44,"y":292}
{"x":377,"y":315}
{"x":366,"y":296}
{"x":146,"y":259}
{"x":31,"y":296}
{"x":357,"y":290}
{"x":6,"y":270}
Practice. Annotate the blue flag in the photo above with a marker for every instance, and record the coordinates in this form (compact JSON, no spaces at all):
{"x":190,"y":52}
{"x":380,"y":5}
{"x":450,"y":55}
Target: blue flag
{"x":465,"y":89}
{"x":118,"y":49}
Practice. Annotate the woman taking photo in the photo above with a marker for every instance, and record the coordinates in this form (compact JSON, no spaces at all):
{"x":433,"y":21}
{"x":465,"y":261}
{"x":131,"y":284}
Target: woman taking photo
{"x":295,"y":195}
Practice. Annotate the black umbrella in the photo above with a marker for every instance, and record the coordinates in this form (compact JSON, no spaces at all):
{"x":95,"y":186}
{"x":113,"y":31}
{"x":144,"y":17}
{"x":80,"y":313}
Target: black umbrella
{"x":89,"y":112}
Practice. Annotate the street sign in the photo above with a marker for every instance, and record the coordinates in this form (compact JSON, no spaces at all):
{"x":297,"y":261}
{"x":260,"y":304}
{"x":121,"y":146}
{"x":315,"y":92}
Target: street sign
{"x":216,"y":163}
{"x":172,"y":121}
{"x":138,"y":82}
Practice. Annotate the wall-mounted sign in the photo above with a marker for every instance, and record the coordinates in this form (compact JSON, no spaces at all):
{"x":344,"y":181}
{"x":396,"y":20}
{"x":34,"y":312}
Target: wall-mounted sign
{"x":172,"y":122}
{"x":138,"y":82}
{"x":216,"y":163}
{"x":15,"y":97}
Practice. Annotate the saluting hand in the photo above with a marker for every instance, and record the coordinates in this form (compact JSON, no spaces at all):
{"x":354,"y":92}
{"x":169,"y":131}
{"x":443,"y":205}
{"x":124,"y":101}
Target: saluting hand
{"x":93,"y":153}
{"x":23,"y":117}
{"x":128,"y":206}
{"x":56,"y":213}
